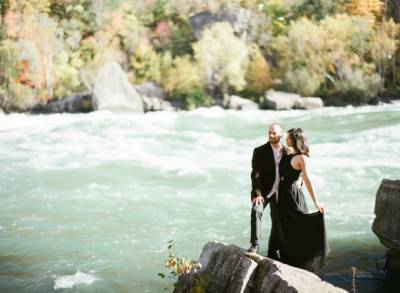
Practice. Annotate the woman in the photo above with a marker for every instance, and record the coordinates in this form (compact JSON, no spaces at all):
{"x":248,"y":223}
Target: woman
{"x":301,"y":238}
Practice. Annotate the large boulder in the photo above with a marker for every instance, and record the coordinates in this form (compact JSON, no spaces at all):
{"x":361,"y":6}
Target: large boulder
{"x":238,"y":17}
{"x":238,"y":103}
{"x":229,"y":269}
{"x":308,"y":103}
{"x":386,"y":224}
{"x":70,"y":104}
{"x":276,"y":100}
{"x":112,"y":91}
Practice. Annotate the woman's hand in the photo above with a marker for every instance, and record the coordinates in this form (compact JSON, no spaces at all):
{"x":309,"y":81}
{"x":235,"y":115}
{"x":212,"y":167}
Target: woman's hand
{"x":319,"y":207}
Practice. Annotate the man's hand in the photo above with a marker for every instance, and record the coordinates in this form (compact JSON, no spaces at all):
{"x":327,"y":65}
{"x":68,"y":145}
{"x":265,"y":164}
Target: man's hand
{"x":257,"y":200}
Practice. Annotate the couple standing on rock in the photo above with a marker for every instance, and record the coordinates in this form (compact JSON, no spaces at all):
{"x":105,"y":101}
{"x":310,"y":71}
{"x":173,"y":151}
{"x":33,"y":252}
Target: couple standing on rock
{"x":297,"y":238}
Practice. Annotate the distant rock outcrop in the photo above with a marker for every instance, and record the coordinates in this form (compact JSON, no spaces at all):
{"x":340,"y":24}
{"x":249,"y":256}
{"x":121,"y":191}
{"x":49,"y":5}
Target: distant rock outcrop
{"x":386,"y":224}
{"x":238,"y":17}
{"x":229,"y":269}
{"x":112,"y":91}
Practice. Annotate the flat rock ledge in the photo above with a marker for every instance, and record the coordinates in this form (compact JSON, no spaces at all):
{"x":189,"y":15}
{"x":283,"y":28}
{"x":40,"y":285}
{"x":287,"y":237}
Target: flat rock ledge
{"x":230,"y":269}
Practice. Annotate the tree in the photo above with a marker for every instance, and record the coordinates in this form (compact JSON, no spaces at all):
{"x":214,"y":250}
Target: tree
{"x":222,"y":59}
{"x":258,"y":75}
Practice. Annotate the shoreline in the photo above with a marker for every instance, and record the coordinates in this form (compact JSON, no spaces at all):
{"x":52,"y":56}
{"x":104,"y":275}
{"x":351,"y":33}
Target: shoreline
{"x":394,"y":102}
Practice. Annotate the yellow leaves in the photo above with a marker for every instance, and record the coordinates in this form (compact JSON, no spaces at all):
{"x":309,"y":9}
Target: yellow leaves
{"x":370,"y":9}
{"x":30,"y":6}
{"x":146,"y":63}
{"x":179,"y":265}
{"x":182,"y":76}
{"x":258,"y":75}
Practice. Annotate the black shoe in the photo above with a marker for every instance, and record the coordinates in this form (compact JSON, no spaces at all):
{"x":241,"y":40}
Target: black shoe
{"x":253,"y":248}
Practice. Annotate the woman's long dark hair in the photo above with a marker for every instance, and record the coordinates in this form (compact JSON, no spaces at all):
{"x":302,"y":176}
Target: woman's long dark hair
{"x":299,"y":141}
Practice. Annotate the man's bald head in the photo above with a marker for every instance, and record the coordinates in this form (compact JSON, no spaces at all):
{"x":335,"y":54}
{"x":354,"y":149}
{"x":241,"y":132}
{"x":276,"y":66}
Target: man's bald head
{"x":275,"y":133}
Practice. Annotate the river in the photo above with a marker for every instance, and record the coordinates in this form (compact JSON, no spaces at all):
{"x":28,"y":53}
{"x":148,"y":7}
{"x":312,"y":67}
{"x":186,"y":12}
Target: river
{"x":88,"y":202}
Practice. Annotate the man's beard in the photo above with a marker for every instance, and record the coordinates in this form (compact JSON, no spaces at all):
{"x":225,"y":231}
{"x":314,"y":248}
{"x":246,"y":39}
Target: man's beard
{"x":274,"y":140}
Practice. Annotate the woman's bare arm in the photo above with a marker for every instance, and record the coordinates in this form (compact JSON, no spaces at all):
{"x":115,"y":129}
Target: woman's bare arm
{"x":310,"y":188}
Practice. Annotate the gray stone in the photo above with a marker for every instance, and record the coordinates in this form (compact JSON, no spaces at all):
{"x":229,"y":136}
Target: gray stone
{"x":239,"y":18}
{"x":112,"y":91}
{"x":276,"y":100}
{"x":228,"y":268}
{"x":309,"y":103}
{"x":238,"y":103}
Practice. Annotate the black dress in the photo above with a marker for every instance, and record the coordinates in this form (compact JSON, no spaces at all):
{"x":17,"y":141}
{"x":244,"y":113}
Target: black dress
{"x":300,"y":237}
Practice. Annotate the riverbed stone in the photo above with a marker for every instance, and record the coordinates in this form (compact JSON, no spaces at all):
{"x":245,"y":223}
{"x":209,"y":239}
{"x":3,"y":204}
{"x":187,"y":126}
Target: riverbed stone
{"x":308,"y":103}
{"x":277,"y":100}
{"x":112,"y":91}
{"x":239,"y":103}
{"x":386,"y":224}
{"x":229,"y":268}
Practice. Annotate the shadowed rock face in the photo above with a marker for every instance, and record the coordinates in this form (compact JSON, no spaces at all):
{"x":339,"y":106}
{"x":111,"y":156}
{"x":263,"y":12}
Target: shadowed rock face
{"x":238,"y":17}
{"x":70,"y":104}
{"x":387,"y":221}
{"x":393,"y":10}
{"x":229,"y":269}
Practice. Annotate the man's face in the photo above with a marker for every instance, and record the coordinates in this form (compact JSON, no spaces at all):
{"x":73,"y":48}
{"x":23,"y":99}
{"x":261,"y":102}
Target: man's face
{"x":274,"y":134}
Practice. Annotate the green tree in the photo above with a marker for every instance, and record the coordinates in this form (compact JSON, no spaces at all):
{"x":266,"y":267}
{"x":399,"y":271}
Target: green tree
{"x":222,"y":59}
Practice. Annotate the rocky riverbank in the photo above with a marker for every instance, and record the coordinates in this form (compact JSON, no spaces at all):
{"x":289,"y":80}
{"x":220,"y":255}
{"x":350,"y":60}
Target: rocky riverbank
{"x":228,"y":268}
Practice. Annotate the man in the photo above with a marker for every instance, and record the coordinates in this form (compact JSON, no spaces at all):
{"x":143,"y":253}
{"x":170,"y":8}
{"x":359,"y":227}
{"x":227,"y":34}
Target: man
{"x":265,"y":183}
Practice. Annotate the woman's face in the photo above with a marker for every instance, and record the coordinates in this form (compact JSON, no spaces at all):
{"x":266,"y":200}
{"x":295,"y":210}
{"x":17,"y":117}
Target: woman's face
{"x":288,"y":140}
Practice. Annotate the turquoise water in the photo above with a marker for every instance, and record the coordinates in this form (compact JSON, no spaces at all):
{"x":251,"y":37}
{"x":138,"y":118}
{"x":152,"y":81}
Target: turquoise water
{"x":88,"y":202}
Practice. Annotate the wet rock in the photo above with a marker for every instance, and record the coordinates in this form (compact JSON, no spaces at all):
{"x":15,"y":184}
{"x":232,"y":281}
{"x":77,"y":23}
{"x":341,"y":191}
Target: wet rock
{"x":386,"y":224}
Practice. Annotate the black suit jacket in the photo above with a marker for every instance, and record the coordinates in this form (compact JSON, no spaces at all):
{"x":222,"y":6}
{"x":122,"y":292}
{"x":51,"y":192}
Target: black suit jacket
{"x":263,"y":170}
